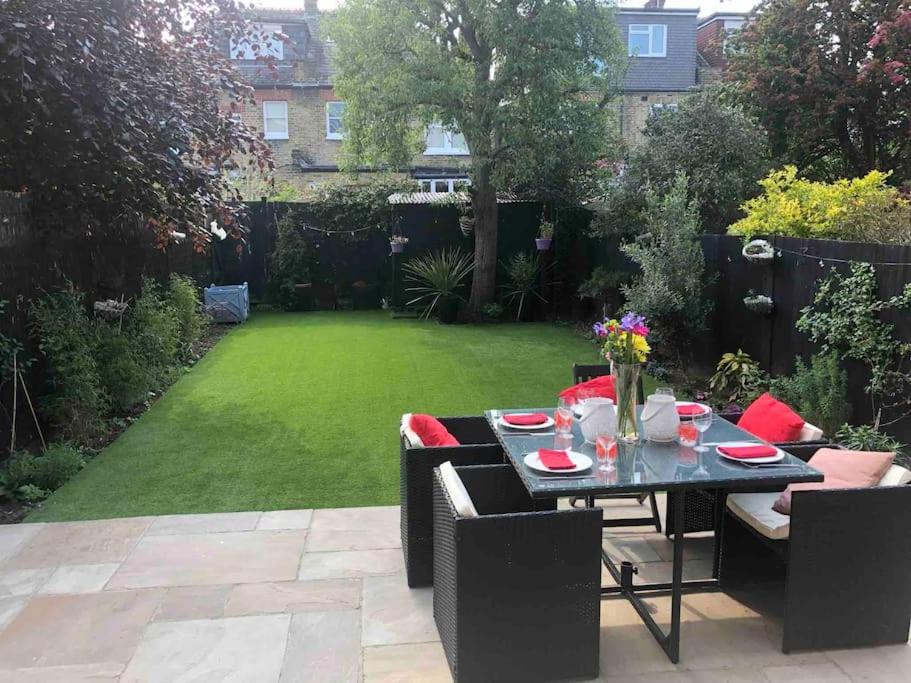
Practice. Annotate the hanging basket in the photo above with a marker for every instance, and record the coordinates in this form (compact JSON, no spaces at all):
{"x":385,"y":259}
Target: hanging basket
{"x":397,"y":247}
{"x":466,"y":224}
{"x":759,"y":303}
{"x":758,"y":251}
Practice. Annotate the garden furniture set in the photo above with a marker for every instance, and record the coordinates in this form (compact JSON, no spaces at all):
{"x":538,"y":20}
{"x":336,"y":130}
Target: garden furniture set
{"x":483,"y":528}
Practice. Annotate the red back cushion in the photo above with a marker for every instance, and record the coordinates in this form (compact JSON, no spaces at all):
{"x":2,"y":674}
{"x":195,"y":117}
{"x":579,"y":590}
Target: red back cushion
{"x":842,"y":470}
{"x":432,"y":431}
{"x":602,"y":386}
{"x":770,"y":419}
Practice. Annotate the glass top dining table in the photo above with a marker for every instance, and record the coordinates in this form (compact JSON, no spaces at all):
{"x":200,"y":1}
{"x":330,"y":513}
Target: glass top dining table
{"x":644,"y":466}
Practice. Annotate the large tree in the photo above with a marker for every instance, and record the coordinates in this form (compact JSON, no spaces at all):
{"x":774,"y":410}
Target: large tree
{"x":527,"y":82}
{"x":822,"y":78}
{"x":110,"y":109}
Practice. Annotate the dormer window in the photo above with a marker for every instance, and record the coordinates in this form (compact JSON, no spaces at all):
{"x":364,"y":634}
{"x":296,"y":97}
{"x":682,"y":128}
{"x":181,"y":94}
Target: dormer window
{"x":647,"y":40}
{"x":441,"y":141}
{"x":266,"y":41}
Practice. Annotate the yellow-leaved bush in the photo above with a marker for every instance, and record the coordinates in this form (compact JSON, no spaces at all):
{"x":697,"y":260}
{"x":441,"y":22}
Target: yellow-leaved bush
{"x":859,"y":209}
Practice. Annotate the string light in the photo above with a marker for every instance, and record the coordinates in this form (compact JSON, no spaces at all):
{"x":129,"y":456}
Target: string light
{"x":823,"y":259}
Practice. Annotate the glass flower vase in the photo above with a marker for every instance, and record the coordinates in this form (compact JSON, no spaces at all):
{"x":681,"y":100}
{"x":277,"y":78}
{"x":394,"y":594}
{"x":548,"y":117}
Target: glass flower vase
{"x":626,"y":384}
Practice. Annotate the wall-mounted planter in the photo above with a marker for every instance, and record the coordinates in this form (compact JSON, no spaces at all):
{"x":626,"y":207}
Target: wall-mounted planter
{"x":543,"y":243}
{"x":758,"y":251}
{"x":466,"y":224}
{"x":759,"y":303}
{"x":397,"y":247}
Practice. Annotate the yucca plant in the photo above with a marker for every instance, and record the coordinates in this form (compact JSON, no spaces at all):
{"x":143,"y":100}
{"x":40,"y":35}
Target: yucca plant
{"x":438,"y":277}
{"x":522,"y":272}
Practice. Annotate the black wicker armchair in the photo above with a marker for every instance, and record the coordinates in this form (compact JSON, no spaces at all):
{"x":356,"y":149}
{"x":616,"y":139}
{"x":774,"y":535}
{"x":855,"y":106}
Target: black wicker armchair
{"x":516,"y":591}
{"x":583,"y":373}
{"x":478,"y":446}
{"x":845,"y":564}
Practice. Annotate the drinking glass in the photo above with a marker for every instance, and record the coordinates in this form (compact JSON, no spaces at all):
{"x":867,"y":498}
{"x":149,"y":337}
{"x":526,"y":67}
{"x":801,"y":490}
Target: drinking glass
{"x":664,"y":391}
{"x":702,"y":421}
{"x":563,"y":416}
{"x":606,"y":451}
{"x":688,"y":434}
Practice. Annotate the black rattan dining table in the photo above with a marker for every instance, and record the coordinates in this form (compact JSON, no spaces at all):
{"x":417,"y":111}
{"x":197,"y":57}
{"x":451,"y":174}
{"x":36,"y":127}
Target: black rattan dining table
{"x":645,"y":467}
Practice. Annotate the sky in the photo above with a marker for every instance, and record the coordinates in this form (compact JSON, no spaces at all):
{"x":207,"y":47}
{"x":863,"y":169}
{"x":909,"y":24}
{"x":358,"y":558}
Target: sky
{"x":706,"y":7}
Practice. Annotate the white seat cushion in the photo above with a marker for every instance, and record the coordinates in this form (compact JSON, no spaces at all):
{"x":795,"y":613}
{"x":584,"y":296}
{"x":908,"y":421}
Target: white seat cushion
{"x":756,"y":510}
{"x":810,"y":432}
{"x":410,"y":435}
{"x":896,"y":475}
{"x":461,"y":501}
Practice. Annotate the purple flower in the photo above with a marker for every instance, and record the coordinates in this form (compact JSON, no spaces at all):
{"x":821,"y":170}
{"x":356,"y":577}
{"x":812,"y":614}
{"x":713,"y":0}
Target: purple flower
{"x":599,"y":330}
{"x":631,"y":321}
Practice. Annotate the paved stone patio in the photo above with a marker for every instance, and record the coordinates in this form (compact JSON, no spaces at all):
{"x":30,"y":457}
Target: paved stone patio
{"x":320,"y":596}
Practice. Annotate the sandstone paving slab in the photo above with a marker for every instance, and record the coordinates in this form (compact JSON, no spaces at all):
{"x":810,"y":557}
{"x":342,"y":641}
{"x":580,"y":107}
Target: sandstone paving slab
{"x":217,"y":522}
{"x":63,"y":630}
{"x":238,"y":649}
{"x":209,"y":559}
{"x":294,"y":596}
{"x":88,"y":673}
{"x":887,"y":664}
{"x":825,"y":672}
{"x":323,"y":647}
{"x":23,"y":581}
{"x":354,"y":529}
{"x":285,"y":519}
{"x":393,"y":613}
{"x":80,"y":578}
{"x":9,"y":608}
{"x":193,"y":602}
{"x":350,"y":564}
{"x":409,"y":663}
{"x":92,"y":542}
{"x":13,"y":537}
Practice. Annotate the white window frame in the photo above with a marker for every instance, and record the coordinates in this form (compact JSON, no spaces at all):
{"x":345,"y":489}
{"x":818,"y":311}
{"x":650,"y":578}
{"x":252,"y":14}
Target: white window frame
{"x":275,"y":135}
{"x":330,"y":135}
{"x":659,"y":107}
{"x":646,"y":30}
{"x":448,"y":149}
{"x":442,"y":185}
{"x":243,"y":51}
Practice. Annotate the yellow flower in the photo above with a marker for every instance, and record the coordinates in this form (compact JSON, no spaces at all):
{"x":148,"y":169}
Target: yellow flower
{"x":640,"y":348}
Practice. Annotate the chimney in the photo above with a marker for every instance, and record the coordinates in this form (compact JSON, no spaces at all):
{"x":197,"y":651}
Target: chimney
{"x":310,"y":6}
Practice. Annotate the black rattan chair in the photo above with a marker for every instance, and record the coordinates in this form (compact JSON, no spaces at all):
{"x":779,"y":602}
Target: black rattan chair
{"x":845,"y":566}
{"x":583,"y":373}
{"x":479,"y":446}
{"x":516,"y":591}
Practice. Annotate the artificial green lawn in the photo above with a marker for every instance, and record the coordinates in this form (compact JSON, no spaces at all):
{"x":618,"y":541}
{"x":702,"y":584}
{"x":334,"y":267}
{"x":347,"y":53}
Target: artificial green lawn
{"x":302,"y":410}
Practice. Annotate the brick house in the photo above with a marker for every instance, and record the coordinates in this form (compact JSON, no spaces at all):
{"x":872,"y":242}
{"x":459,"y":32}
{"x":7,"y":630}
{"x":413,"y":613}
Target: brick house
{"x":300,"y":114}
{"x":712,"y":34}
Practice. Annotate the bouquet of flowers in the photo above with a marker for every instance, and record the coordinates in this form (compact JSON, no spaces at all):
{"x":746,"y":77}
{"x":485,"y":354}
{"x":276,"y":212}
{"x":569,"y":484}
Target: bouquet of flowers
{"x":624,"y":340}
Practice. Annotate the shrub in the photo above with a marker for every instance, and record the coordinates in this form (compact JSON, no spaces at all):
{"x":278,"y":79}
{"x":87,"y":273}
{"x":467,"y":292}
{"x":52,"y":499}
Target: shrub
{"x":739,"y":378}
{"x":669,"y":289}
{"x":153,"y":328}
{"x":861,"y":209}
{"x":818,"y":391}
{"x":523,"y":272}
{"x":868,"y":438}
{"x":48,"y":471}
{"x":438,"y":279}
{"x":127,"y":380}
{"x":68,"y":337}
{"x":290,"y":263}
{"x":183,"y":297}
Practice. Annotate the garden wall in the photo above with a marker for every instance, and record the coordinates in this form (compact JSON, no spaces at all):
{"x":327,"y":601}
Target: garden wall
{"x":791,"y":281}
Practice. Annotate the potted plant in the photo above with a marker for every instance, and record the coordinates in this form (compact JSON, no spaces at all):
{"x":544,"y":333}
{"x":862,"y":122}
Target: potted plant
{"x":439,"y":277}
{"x":758,"y":251}
{"x":545,"y":235}
{"x":759,"y":303}
{"x":397,"y":243}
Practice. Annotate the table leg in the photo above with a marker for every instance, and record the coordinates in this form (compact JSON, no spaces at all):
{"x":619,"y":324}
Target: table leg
{"x":673,"y":638}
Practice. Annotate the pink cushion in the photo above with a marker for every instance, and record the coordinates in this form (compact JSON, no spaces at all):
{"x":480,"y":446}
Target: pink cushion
{"x":431,"y":431}
{"x":771,"y":420}
{"x":842,"y":470}
{"x":602,"y":386}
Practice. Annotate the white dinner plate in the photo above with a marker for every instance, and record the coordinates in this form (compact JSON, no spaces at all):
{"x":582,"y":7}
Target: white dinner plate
{"x":752,"y":461}
{"x":548,"y":423}
{"x":581,"y":462}
{"x":704,"y":407}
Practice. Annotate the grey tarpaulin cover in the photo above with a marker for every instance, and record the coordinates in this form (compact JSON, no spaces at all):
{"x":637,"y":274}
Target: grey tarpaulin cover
{"x":227,"y":303}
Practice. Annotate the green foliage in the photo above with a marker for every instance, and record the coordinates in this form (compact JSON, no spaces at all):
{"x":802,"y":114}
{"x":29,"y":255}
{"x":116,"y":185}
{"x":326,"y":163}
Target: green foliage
{"x":721,"y":150}
{"x":602,"y":283}
{"x":816,"y":75}
{"x":438,"y":277}
{"x":860,"y":209}
{"x":669,"y":289}
{"x":845,"y":319}
{"x":523,"y":273}
{"x":867,"y":438}
{"x":67,"y":337}
{"x":290,"y":263}
{"x":12,"y":353}
{"x":738,"y":377}
{"x":360,"y":207}
{"x":153,"y":327}
{"x":125,"y":377}
{"x":46,"y":472}
{"x":492,"y":311}
{"x":183,"y":297}
{"x":818,"y":391}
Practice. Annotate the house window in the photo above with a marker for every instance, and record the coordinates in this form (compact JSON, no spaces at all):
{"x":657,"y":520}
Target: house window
{"x":443,"y":141}
{"x":647,"y":40}
{"x":334,"y":111}
{"x":267,"y":44}
{"x":275,"y":120}
{"x":444,"y":184}
{"x":658,"y":108}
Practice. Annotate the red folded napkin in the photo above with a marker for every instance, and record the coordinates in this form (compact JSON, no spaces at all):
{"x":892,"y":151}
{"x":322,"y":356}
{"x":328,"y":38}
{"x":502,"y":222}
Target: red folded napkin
{"x":747,"y":452}
{"x":525,"y":419}
{"x":555,"y":460}
{"x":690,"y":409}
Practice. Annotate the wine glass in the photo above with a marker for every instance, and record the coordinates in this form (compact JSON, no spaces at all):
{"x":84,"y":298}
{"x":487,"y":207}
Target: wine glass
{"x":563,"y":416}
{"x":702,"y":421}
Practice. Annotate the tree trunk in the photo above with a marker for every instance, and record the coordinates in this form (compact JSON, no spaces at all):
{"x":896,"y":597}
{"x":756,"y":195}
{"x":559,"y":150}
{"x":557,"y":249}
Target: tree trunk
{"x":484,"y":203}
